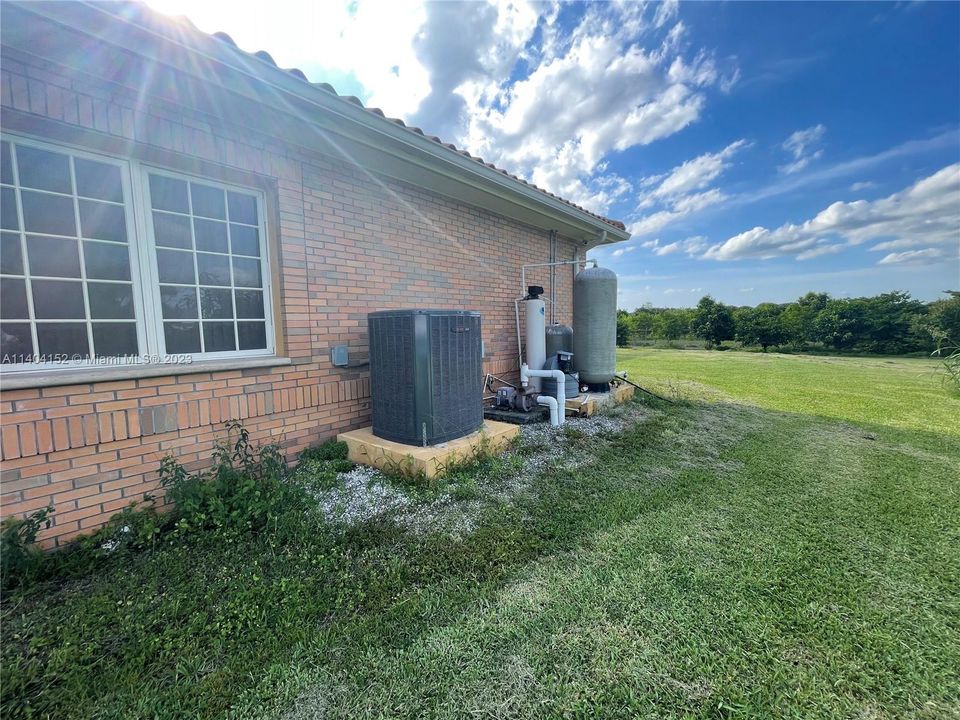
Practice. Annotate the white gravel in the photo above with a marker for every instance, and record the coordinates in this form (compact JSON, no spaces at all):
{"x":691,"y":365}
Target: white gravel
{"x":364,"y":493}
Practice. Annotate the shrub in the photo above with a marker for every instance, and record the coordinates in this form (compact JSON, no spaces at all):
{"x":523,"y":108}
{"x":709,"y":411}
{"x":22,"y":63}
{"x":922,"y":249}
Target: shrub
{"x":20,"y":558}
{"x":243,"y":491}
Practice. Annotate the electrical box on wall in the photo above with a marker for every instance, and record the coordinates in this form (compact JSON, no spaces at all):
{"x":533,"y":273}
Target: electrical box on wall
{"x":339,"y":356}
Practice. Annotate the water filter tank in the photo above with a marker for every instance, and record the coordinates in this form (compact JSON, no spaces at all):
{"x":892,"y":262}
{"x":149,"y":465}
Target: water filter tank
{"x":559,"y":337}
{"x":595,"y":325}
{"x":536,"y":351}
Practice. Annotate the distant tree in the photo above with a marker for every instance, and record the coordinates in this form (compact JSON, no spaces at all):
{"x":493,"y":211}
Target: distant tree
{"x":760,"y":325}
{"x":671,"y":324}
{"x":841,"y":323}
{"x":624,"y":328}
{"x":890,"y":324}
{"x":642,"y":319}
{"x":712,"y":321}
{"x":943,"y":319}
{"x":799,"y":318}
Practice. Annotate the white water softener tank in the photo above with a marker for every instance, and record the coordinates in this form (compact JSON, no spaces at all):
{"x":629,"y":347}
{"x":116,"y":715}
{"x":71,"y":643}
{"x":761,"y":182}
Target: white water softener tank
{"x":535,"y":316}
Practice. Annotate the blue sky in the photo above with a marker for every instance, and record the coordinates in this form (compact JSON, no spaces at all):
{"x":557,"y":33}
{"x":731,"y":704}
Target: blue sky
{"x":755,"y":150}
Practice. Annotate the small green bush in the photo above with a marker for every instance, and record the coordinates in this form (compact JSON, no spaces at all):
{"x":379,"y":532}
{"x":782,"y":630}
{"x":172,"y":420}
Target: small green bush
{"x":20,"y":558}
{"x":243,"y":491}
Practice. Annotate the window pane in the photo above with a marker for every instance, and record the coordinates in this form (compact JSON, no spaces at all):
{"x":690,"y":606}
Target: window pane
{"x":48,"y":214}
{"x":175,"y":266}
{"x":172,"y":230}
{"x":110,"y":301}
{"x":11,"y":262}
{"x":168,"y":194}
{"x":244,"y":240}
{"x":55,"y":257}
{"x":178,"y":302}
{"x":243,"y":208}
{"x":102,"y":221}
{"x":16,"y":345}
{"x":211,"y":235}
{"x":218,"y":337}
{"x":207,"y":201}
{"x":213,"y":269}
{"x":215,"y":303}
{"x":106,"y":261}
{"x":13,"y":299}
{"x":182,"y":337}
{"x":55,"y":299}
{"x":98,"y":180}
{"x":6,"y":166}
{"x":249,"y":304}
{"x":253,"y":335}
{"x":63,"y":339}
{"x":246,"y":273}
{"x":43,"y":169}
{"x":8,"y":209}
{"x":115,"y":339}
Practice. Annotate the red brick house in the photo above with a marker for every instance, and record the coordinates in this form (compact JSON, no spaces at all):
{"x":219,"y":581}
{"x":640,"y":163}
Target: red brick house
{"x":187,"y":232}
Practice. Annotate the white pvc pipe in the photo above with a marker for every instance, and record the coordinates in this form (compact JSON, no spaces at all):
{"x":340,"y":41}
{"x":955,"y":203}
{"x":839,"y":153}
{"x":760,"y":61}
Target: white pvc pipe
{"x":523,"y":268}
{"x":526,"y":373}
{"x":552,"y":403}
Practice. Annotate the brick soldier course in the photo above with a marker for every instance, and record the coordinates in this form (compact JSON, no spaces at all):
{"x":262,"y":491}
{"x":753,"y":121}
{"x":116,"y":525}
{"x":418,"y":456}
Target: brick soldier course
{"x":347,"y":234}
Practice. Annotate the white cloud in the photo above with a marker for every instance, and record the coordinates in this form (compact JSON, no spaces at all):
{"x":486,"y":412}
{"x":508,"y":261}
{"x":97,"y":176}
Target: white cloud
{"x":497,"y":30}
{"x":692,"y":246}
{"x":697,"y":173}
{"x":866,"y":185}
{"x":914,"y":257}
{"x":624,"y":74}
{"x":682,"y":192}
{"x":926,"y":213}
{"x":620,"y":251}
{"x":676,"y":291}
{"x":802,"y":146}
{"x":936,"y":146}
{"x":590,"y":93}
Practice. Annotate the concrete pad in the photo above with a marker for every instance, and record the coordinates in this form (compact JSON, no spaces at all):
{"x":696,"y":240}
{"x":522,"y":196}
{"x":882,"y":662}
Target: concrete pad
{"x":366,"y":448}
{"x":587,"y":404}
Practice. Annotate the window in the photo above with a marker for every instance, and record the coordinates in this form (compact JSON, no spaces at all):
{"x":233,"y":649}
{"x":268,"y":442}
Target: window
{"x":79,"y":285}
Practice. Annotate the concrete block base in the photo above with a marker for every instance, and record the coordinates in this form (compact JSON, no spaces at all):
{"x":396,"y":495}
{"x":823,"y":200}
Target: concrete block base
{"x":587,"y":404}
{"x":365,"y":448}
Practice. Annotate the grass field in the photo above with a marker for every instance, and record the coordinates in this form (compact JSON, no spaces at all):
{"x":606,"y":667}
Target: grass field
{"x":899,"y":392}
{"x":783,"y":541}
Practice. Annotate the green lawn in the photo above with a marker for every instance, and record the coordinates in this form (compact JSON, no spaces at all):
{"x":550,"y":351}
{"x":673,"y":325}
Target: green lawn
{"x":899,"y":392}
{"x":784,"y":541}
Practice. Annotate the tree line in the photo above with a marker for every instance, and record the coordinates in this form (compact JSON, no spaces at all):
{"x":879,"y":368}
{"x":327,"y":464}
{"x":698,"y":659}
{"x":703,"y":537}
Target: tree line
{"x":890,"y":323}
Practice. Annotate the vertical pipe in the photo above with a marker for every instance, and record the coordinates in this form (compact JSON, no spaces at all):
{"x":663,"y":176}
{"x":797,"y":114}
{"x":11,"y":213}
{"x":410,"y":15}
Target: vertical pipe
{"x":553,"y":277}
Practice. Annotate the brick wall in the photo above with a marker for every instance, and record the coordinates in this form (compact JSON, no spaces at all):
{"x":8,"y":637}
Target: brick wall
{"x":349,"y":243}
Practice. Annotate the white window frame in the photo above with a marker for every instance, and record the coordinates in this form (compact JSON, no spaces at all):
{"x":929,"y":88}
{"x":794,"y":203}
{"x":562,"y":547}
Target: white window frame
{"x":143,"y":171}
{"x":144,"y":272}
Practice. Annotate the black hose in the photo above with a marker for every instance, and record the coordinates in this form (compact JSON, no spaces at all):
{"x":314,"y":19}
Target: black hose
{"x":638,"y":387}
